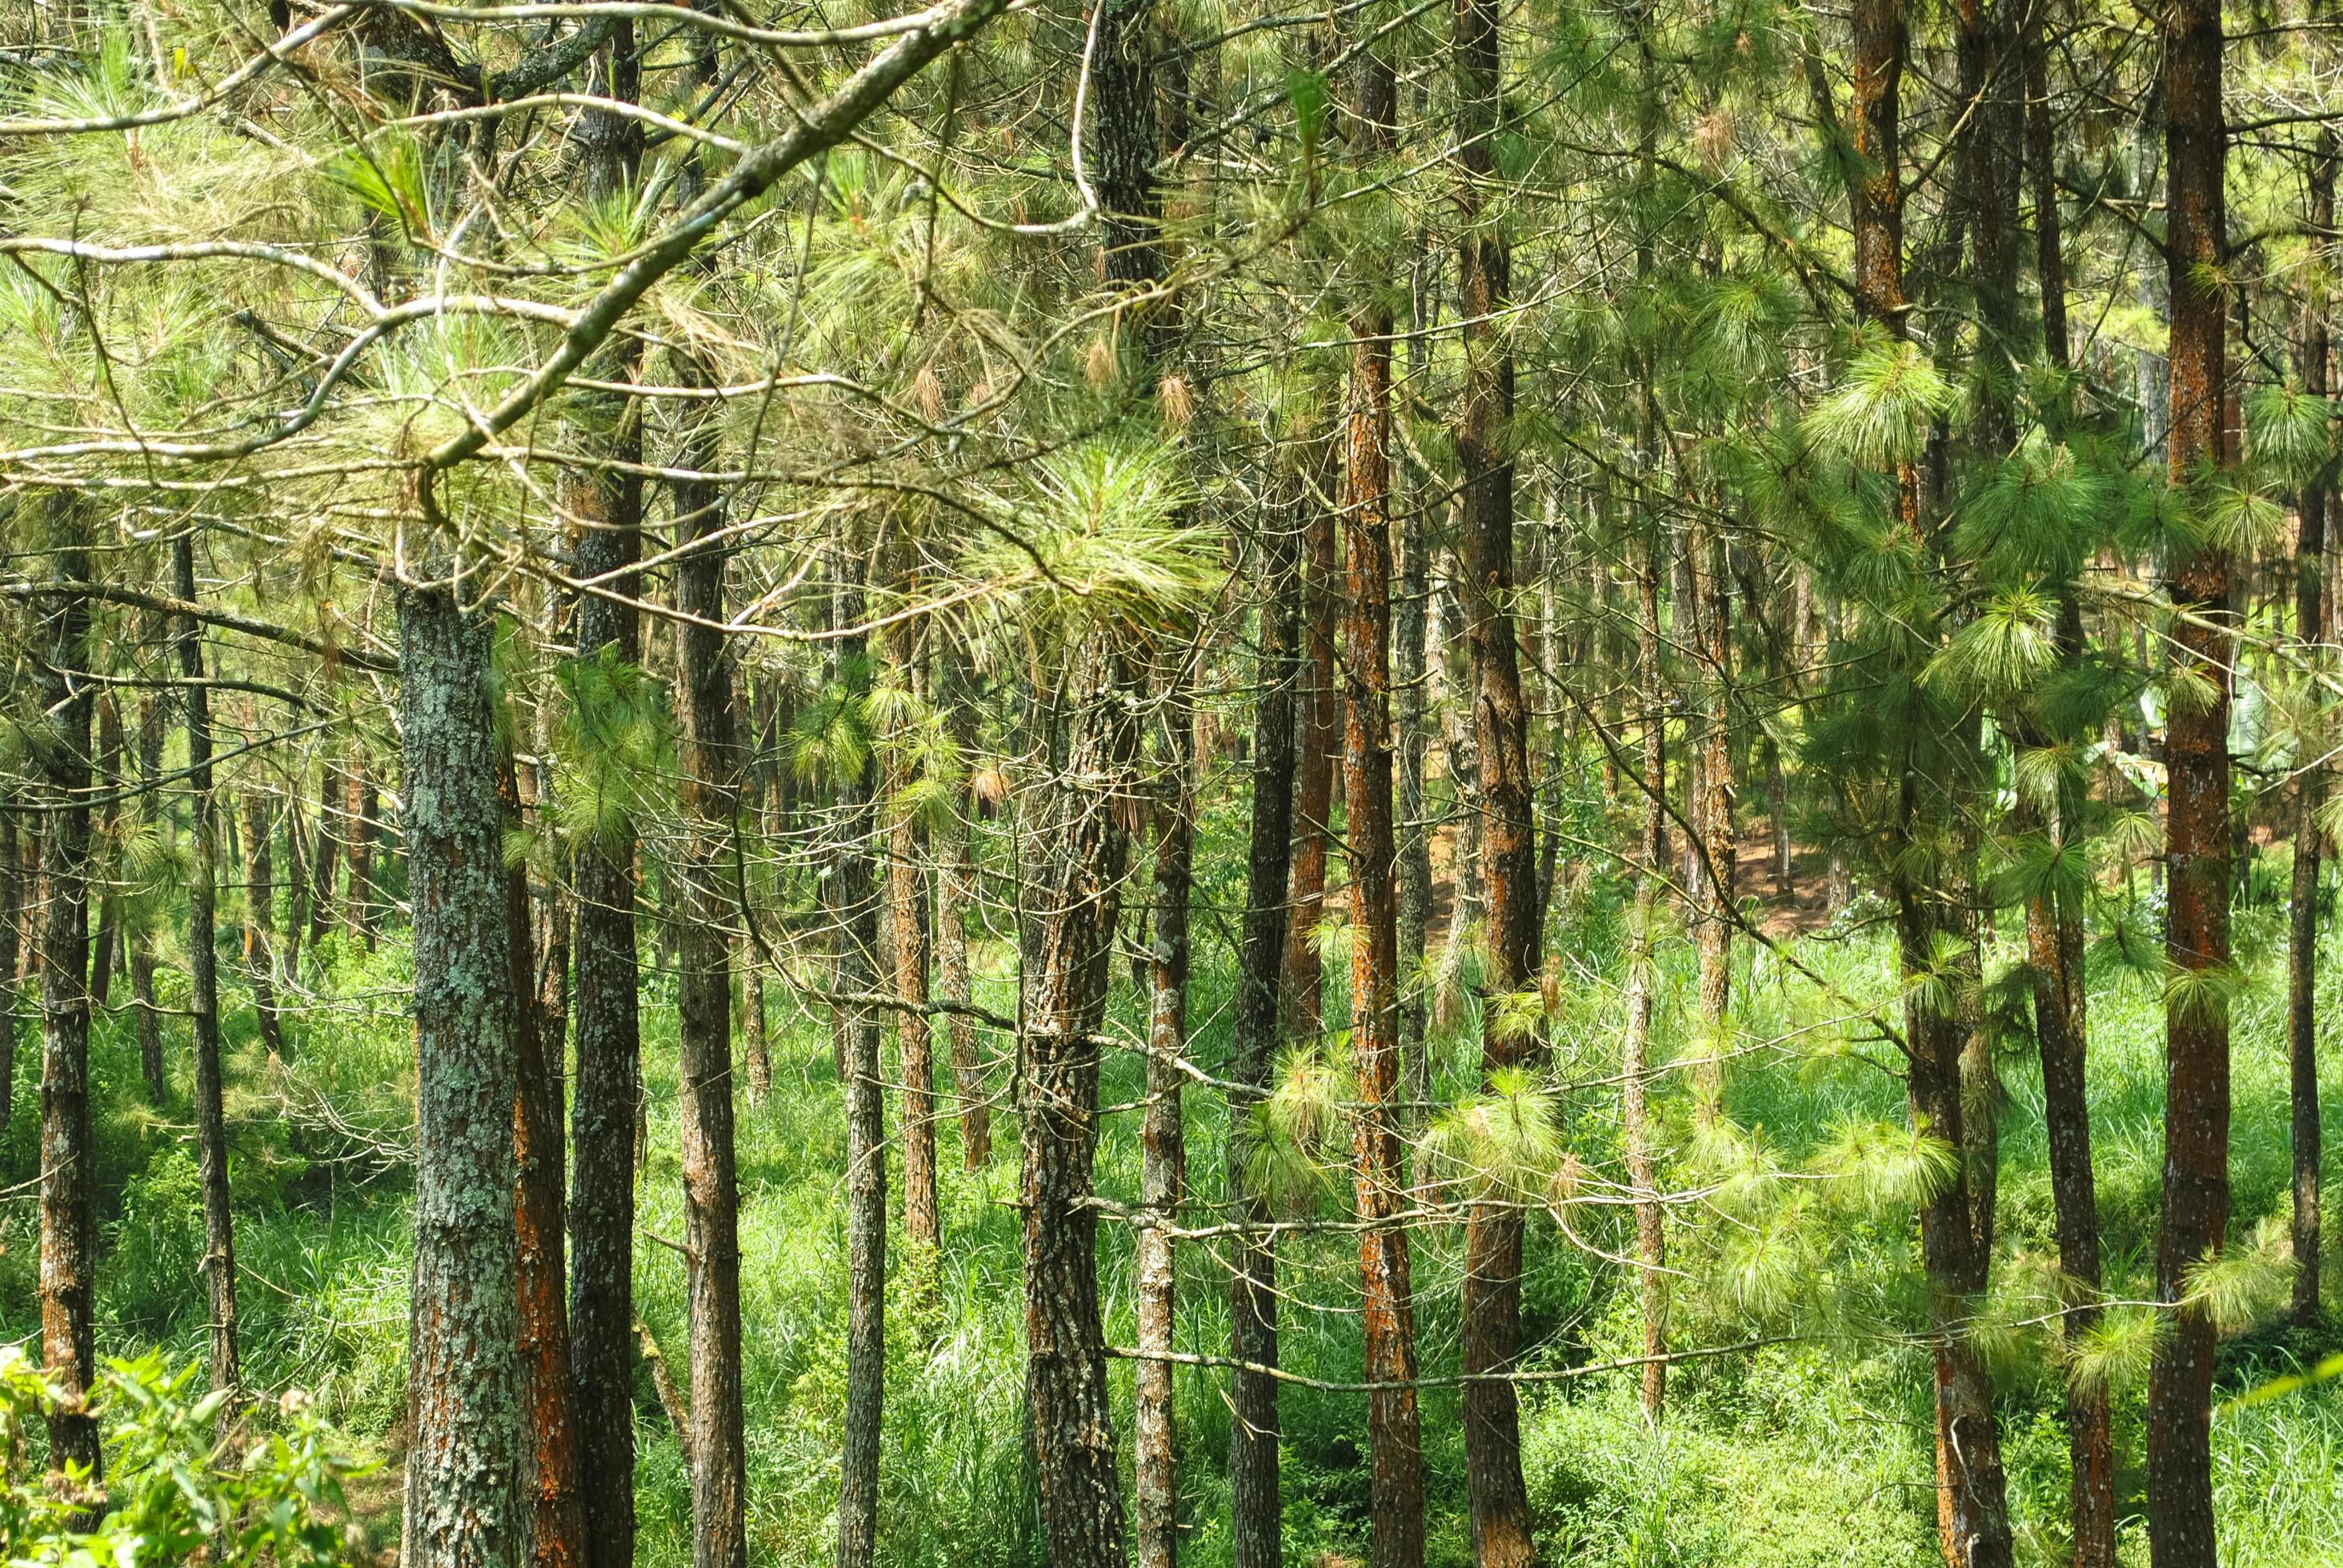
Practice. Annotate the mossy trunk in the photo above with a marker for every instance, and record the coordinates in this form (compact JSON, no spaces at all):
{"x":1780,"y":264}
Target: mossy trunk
{"x":463,"y":1507}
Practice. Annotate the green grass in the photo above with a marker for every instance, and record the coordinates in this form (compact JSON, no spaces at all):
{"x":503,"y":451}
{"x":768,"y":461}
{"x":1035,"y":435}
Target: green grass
{"x":1811,"y":1452}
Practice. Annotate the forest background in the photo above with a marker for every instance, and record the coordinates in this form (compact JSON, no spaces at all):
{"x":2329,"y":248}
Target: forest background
{"x":1045,"y":782}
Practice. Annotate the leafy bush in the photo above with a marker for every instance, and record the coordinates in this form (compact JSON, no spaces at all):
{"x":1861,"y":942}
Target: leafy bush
{"x":169,"y":1494}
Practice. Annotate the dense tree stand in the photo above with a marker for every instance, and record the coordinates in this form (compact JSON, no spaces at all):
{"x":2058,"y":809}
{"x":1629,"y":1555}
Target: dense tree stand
{"x":1530,"y":694}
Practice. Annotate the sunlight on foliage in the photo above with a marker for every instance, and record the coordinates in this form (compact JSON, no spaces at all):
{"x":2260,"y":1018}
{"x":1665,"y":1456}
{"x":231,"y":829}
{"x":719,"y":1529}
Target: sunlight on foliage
{"x":1101,"y":541}
{"x":1879,"y":416}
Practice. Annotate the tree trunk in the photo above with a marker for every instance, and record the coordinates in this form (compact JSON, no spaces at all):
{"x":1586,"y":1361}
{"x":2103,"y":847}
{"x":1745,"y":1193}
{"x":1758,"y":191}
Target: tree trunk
{"x":260,"y":904}
{"x":609,"y":1102}
{"x":68,"y":1173}
{"x":906,"y":894}
{"x":1777,"y":792}
{"x":1409,"y":682}
{"x":706,"y":904}
{"x":1634,"y":1067}
{"x":1713,"y":913}
{"x":2302,"y":903}
{"x":1254,"y":1500}
{"x":2041,"y":156}
{"x":325,"y":860}
{"x":361,"y":814}
{"x":2054,"y":936}
{"x":854,"y":912}
{"x":1491,"y":1308}
{"x":297,"y":890}
{"x":955,"y":895}
{"x":1971,"y":1500}
{"x":1396,"y":1451}
{"x":13,"y":943}
{"x":203,"y":985}
{"x":556,"y":922}
{"x":1989,"y":145}
{"x":30,"y":901}
{"x":106,"y":854}
{"x":761,"y":809}
{"x":1163,"y":1156}
{"x":152,"y":720}
{"x":1972,"y":1496}
{"x":1075,"y":867}
{"x":463,"y":1510}
{"x":1132,"y":198}
{"x":2196,"y":831}
{"x":2053,"y":941}
{"x":549,"y":1454}
{"x":1319,"y":717}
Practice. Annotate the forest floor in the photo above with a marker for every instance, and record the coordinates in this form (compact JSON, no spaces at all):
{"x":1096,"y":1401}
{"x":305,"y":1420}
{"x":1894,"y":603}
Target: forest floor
{"x":1810,"y":1452}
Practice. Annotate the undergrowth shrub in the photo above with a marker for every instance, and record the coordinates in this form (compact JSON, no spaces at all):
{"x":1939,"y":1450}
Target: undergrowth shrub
{"x":169,"y":1495}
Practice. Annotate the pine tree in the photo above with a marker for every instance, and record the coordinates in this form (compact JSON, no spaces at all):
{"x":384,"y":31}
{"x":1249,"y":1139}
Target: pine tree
{"x":1491,"y":1305}
{"x":1255,"y":1502}
{"x":2197,"y":821}
{"x":203,"y":985}
{"x":463,"y":1507}
{"x":68,"y":1152}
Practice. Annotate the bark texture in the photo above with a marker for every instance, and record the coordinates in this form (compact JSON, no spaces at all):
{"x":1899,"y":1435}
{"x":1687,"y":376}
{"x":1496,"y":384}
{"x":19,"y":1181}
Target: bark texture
{"x":1318,"y":715}
{"x":203,"y":990}
{"x":1255,"y":1504}
{"x":1634,"y":1067}
{"x":955,"y":896}
{"x":259,"y":906}
{"x":1163,"y":1156}
{"x":463,"y":1509}
{"x":2311,"y":614}
{"x":2053,"y":939}
{"x":548,"y":1442}
{"x":357,"y":904}
{"x":2054,"y":936}
{"x":2197,"y":819}
{"x":906,"y":921}
{"x":12,"y":946}
{"x":608,"y":1100}
{"x":1491,"y":1310}
{"x":1716,"y":888}
{"x":152,"y":720}
{"x":68,"y":1174}
{"x":854,"y":913}
{"x":1973,"y":1514}
{"x":1394,"y":1439}
{"x":709,"y":766}
{"x":1075,"y":864}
